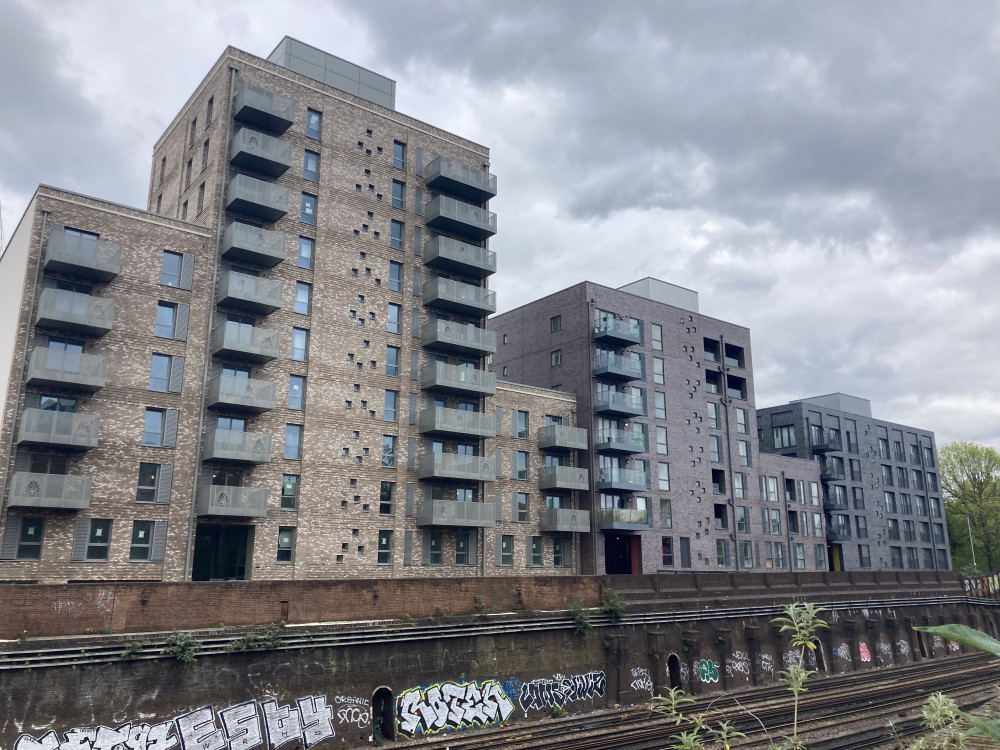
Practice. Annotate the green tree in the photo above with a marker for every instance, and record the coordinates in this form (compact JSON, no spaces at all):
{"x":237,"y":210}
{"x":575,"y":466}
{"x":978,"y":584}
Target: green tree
{"x":970,"y":482}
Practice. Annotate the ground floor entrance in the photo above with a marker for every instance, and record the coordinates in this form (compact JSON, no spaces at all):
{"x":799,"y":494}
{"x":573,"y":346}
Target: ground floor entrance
{"x":222,"y":552}
{"x":621,"y":554}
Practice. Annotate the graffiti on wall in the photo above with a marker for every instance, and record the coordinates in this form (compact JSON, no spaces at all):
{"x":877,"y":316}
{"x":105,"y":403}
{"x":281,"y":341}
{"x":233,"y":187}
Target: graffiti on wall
{"x":353,"y":710}
{"x":738,"y":663}
{"x":641,"y":680}
{"x":685,"y":675}
{"x":307,"y":721}
{"x":866,"y":655}
{"x":765,"y":663}
{"x":541,"y":694}
{"x":904,"y":647}
{"x":512,"y":687}
{"x":708,"y":670}
{"x":884,"y":651}
{"x":451,"y":705}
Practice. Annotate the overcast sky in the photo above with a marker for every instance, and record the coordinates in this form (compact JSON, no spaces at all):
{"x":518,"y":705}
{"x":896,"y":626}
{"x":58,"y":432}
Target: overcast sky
{"x":827,"y":174}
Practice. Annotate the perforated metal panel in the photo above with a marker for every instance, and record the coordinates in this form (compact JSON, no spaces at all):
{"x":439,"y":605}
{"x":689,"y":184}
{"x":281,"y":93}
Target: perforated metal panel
{"x":187,"y":271}
{"x":81,"y":534}
{"x":158,"y":546}
{"x":409,"y":499}
{"x":11,"y":536}
{"x":175,"y":381}
{"x":170,"y":428}
{"x":181,"y":324}
{"x":164,"y":480}
{"x":408,"y":548}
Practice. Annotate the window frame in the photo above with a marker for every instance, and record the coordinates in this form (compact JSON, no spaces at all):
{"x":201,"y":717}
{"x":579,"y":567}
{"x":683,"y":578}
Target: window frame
{"x":290,"y":499}
{"x":139,"y":547}
{"x":308,"y":208}
{"x":293,"y":439}
{"x":314,"y":124}
{"x":310,"y":174}
{"x":285,"y":554}
{"x":167,"y":277}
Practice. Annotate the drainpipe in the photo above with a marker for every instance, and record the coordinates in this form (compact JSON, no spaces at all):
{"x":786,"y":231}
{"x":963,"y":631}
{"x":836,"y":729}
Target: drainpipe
{"x":223,"y":179}
{"x":729,"y":448}
{"x":593,"y":453}
{"x":24,"y":357}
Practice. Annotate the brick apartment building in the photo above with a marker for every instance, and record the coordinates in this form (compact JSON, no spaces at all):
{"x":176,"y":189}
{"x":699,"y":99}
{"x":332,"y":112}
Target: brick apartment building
{"x":881,"y":491}
{"x":278,"y":369}
{"x":668,"y":396}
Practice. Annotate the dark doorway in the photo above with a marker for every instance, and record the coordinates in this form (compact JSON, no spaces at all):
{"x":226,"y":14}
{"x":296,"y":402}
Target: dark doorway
{"x":674,"y":670}
{"x":221,"y":552}
{"x":383,"y":714}
{"x":836,"y":558}
{"x":617,"y":554}
{"x":921,"y":646}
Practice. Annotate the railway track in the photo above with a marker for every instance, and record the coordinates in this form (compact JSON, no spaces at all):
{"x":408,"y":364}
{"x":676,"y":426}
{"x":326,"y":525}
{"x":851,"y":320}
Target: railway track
{"x":840,"y":700}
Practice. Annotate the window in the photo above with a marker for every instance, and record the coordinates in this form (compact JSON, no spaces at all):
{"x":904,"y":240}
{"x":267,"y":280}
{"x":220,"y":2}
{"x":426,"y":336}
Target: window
{"x":663,"y":476}
{"x":556,"y":358}
{"x":303,"y":297}
{"x":386,"y":497}
{"x":396,"y":235}
{"x":721,"y":517}
{"x":163,"y":168}
{"x":29,"y":537}
{"x":712,"y":382}
{"x":861,"y":526}
{"x":658,"y":370}
{"x":434,"y":541}
{"x":520,"y":465}
{"x":660,"y":405}
{"x":208,"y":111}
{"x":784,"y":437}
{"x":187,"y":173}
{"x":392,"y":361}
{"x":883,"y":448}
{"x":194,"y":131}
{"x":99,"y":539}
{"x":907,"y":506}
{"x":395,"y":276}
{"x":399,"y":155}
{"x":903,"y":476}
{"x":742,"y":421}
{"x":142,"y":537}
{"x":864,"y":556}
{"x":306,"y":248}
{"x":289,"y":491}
{"x":718,"y":482}
{"x":685,"y":544}
{"x":166,"y":318}
{"x":462,"y":547}
{"x":661,"y":439}
{"x":170,"y":270}
{"x":657,"y":336}
{"x":859,"y":498}
{"x":293,"y":441}
{"x":201,"y":197}
{"x":286,"y":544}
{"x":314,"y":123}
{"x":798,"y":556}
{"x":398,"y":194}
{"x":296,"y":391}
{"x":300,"y":344}
{"x":896,"y":557}
{"x":742,"y":519}
{"x":392,"y":322}
{"x":739,"y":485}
{"x":775,"y":521}
{"x":555,"y":323}
{"x":715,"y":448}
{"x":505,"y":558}
{"x":562,"y":552}
{"x":310,"y":166}
{"x":722,"y":553}
{"x":520,"y":424}
{"x":147,"y":485}
{"x":184,"y":211}
{"x":734,"y":355}
{"x":152,"y":430}
{"x":666,"y":514}
{"x":389,"y":451}
{"x":744,"y":451}
{"x":819,"y":555}
{"x":713,"y":414}
{"x":667,"y":551}
{"x":391,"y":404}
{"x":521,"y":507}
{"x":307,"y":215}
{"x":159,"y":373}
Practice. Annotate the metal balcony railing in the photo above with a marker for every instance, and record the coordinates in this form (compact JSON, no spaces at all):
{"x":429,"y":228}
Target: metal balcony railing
{"x":560,"y":437}
{"x":249,"y":244}
{"x":454,"y":255}
{"x":438,"y":376}
{"x":59,"y":428}
{"x":451,"y":176}
{"x":56,"y":368}
{"x":82,"y":255}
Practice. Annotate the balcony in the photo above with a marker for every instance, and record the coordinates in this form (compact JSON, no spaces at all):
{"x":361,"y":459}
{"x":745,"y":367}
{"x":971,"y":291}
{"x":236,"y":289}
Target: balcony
{"x":622,"y":519}
{"x":55,"y":368}
{"x":457,"y":513}
{"x":618,"y":479}
{"x":560,"y":437}
{"x":465,"y":381}
{"x":826,"y":441}
{"x":838,"y":533}
{"x":460,"y":338}
{"x":59,"y":428}
{"x":250,"y":293}
{"x":442,"y":421}
{"x":450,"y":254}
{"x":245,"y":343}
{"x":455,"y":467}
{"x":618,"y":367}
{"x":617,"y":332}
{"x":617,"y":404}
{"x":242,"y":502}
{"x":564,"y":521}
{"x":450,"y":215}
{"x":263,"y":200}
{"x":241,"y":394}
{"x":265,"y":109}
{"x":563,"y":478}
{"x":75,"y":312}
{"x":83,"y":256}
{"x":260,"y":153}
{"x":242,"y":447}
{"x":831,"y":474}
{"x":248,"y":244}
{"x":451,"y":176}
{"x":59,"y":491}
{"x":448,"y":294}
{"x":835,"y":505}
{"x":615,"y":440}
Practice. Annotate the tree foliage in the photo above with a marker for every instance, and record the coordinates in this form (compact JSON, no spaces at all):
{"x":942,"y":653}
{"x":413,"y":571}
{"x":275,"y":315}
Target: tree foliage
{"x":970,"y":482}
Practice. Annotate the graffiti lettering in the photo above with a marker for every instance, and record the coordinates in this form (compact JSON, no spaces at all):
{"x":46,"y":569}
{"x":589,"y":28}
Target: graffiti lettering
{"x":540,"y":694}
{"x":938,"y":643}
{"x":512,"y":687}
{"x":954,"y":646}
{"x":708,"y":670}
{"x":353,"y":715}
{"x":105,"y":601}
{"x":351,"y":699}
{"x":844,"y":651}
{"x":685,"y":674}
{"x":884,"y":651}
{"x":641,"y":681}
{"x":451,"y":705}
{"x":904,"y":647}
{"x":237,"y":727}
{"x":790,"y":657}
{"x":765,"y":663}
{"x":865,"y":653}
{"x":738,"y":663}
